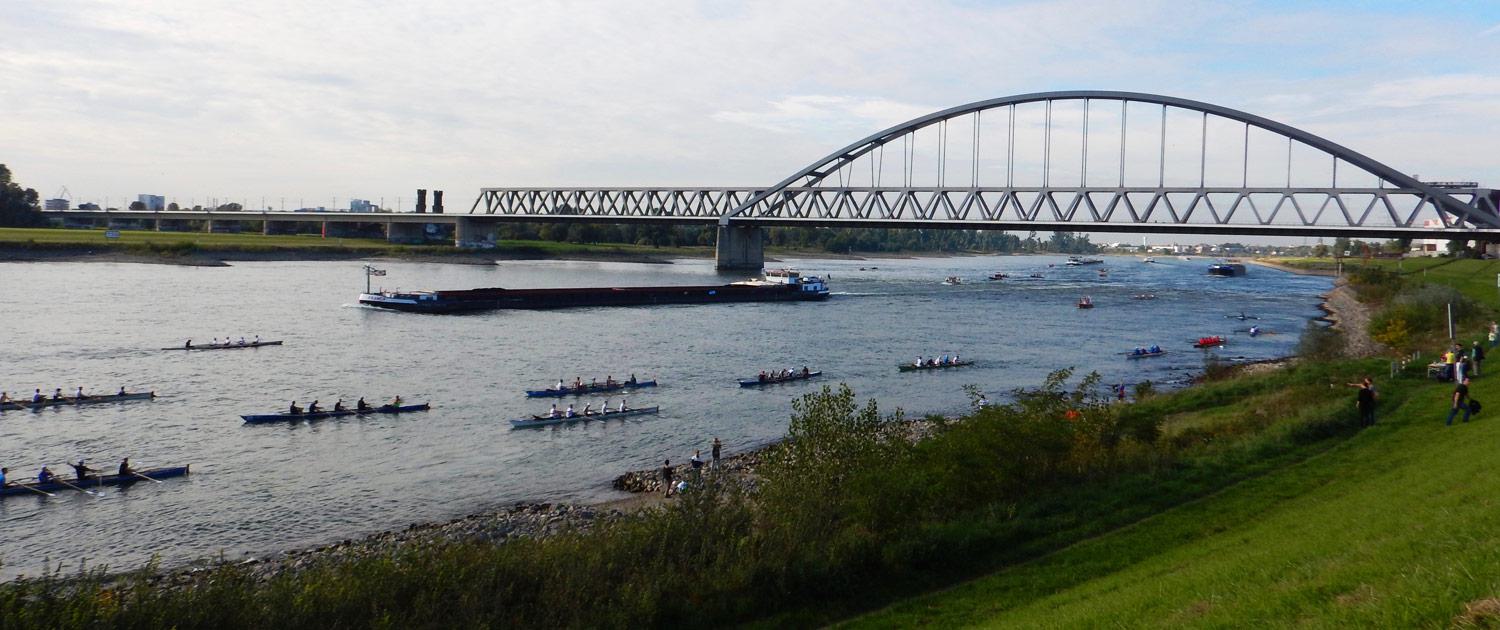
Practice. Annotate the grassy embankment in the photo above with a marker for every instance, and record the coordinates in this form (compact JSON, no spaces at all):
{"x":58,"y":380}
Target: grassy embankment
{"x":1392,"y":528}
{"x":192,"y":243}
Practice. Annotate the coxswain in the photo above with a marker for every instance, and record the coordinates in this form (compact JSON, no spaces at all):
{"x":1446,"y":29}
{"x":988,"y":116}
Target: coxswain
{"x":362,"y":405}
{"x":122,"y":391}
{"x":762,"y":376}
{"x":294,"y":409}
{"x":552,"y":413}
{"x":338,"y":405}
{"x":80,"y":393}
{"x":81,"y":470}
{"x":396,"y":402}
{"x":37,"y":396}
{"x":125,"y":470}
{"x":570,"y":413}
{"x":57,"y":394}
{"x":45,"y":475}
{"x":313,"y":407}
{"x":188,"y":345}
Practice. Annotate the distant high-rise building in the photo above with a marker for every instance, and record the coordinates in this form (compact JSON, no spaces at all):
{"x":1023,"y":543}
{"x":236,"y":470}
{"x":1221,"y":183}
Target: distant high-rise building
{"x":361,"y":205}
{"x":55,"y":204}
{"x":153,"y":203}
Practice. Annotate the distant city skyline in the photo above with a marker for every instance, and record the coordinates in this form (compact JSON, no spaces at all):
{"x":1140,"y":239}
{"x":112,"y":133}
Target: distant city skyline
{"x":207,"y":101}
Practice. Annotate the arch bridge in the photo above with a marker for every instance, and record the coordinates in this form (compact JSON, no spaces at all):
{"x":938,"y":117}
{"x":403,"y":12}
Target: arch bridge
{"x":1093,"y":161}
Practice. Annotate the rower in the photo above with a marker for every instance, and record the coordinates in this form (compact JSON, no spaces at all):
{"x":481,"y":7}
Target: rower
{"x":577,"y":382}
{"x":609,"y":381}
{"x":586,"y":408}
{"x":57,"y":394}
{"x":338,"y":405}
{"x":604,"y":406}
{"x":37,"y":397}
{"x":125,"y":470}
{"x":762,"y":376}
{"x":294,"y":409}
{"x":553,"y":412}
{"x":313,"y":408}
{"x":80,"y":393}
{"x":242,"y":341}
{"x":397,"y":401}
{"x":570,"y":413}
{"x":257,"y":339}
{"x":560,"y":386}
{"x":919,"y":361}
{"x":362,"y":405}
{"x":622,"y":404}
{"x":3,"y":398}
{"x":215,"y":342}
{"x":188,"y":345}
{"x":955,"y":359}
{"x":805,"y":372}
{"x":122,"y":391}
{"x":81,"y":470}
{"x":632,"y":379}
{"x":3,"y":481}
{"x":44,"y":476}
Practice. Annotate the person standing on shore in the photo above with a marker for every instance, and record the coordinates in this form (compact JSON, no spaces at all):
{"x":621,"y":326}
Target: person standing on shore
{"x":1477,"y":356}
{"x":1460,"y":401}
{"x":666,"y":475}
{"x":697,"y":462}
{"x":1494,"y":333}
{"x":1364,"y":401}
{"x":716,"y":448}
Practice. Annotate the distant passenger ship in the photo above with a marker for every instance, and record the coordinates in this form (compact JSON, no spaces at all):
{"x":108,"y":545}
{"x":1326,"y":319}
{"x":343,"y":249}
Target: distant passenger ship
{"x":777,"y":286}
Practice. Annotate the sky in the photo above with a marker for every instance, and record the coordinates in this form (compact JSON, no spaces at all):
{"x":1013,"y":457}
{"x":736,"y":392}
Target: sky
{"x":301,"y":103}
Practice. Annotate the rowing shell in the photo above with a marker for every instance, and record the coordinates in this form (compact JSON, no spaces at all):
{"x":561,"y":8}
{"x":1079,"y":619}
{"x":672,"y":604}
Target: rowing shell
{"x":796,"y":376}
{"x":541,"y":421}
{"x":553,"y":392}
{"x":227,"y":347}
{"x":93,"y":482}
{"x":284,"y":416}
{"x":1145,"y":354}
{"x":907,"y":367}
{"x":86,"y":400}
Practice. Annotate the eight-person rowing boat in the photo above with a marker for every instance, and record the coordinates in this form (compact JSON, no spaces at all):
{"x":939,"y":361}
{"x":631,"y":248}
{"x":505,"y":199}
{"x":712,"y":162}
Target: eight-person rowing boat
{"x":562,"y":417}
{"x":781,"y":376}
{"x":314,"y":412}
{"x":227,"y":344}
{"x":579,"y":388}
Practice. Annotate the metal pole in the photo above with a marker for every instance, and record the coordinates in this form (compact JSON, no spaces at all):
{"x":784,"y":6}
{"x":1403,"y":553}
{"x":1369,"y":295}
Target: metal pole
{"x":1161,"y":163}
{"x":1450,"y":321}
{"x":1245,"y":163}
{"x":1288,"y":162}
{"x":975,"y":159}
{"x":1083,"y":176}
{"x":1335,"y":171}
{"x":1010,"y":151}
{"x":1123,"y":111}
{"x":1203,"y":152}
{"x":1047,"y":147}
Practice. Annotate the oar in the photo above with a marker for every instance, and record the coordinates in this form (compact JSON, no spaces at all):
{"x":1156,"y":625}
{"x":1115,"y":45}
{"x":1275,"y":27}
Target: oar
{"x":83,"y":490}
{"x":145,"y":477}
{"x":36,"y":490}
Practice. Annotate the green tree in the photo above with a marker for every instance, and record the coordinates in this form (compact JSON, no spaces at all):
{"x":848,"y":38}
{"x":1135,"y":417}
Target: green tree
{"x":18,"y":206}
{"x":136,"y":205}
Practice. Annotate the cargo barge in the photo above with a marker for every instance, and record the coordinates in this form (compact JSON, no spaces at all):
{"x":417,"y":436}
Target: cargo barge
{"x":776,"y":286}
{"x":1226,"y":269}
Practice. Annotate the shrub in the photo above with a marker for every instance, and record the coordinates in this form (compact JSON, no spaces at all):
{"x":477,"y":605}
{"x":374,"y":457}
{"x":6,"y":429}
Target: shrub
{"x":1320,"y":342}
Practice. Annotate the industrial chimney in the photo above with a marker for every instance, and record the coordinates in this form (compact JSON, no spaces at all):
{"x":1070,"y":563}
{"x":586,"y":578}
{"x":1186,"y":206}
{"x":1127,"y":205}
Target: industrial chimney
{"x":437,"y":202}
{"x":421,"y":200}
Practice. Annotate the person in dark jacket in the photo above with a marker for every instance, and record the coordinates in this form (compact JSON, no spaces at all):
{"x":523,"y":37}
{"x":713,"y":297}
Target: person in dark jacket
{"x":1460,"y":401}
{"x":1364,"y":401}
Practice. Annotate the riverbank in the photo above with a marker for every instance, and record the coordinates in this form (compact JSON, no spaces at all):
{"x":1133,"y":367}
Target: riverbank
{"x":1301,"y":271}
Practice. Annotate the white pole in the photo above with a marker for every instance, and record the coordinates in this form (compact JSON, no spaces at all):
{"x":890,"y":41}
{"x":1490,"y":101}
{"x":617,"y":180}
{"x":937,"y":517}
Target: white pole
{"x":1450,"y":321}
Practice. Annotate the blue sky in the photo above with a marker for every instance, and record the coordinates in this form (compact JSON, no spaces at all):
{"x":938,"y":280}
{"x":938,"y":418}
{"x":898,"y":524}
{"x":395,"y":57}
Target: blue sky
{"x":338,"y":99}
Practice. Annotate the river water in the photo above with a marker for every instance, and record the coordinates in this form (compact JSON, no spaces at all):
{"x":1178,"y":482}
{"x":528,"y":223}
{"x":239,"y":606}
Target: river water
{"x":261,"y":488}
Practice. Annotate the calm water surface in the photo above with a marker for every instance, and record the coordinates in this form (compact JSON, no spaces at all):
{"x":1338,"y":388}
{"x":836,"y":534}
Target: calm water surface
{"x":256,"y":489}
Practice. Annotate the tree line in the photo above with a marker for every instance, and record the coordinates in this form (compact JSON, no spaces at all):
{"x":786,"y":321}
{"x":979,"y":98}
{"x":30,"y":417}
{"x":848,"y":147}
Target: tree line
{"x":19,"y":207}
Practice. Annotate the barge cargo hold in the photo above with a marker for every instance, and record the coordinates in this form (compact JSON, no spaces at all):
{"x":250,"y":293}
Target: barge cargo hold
{"x":777,"y":286}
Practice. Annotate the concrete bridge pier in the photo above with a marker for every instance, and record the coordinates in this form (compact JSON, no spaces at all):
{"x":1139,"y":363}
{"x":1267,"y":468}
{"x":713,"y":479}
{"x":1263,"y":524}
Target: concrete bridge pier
{"x":403,"y":232}
{"x":467,"y":232}
{"x":740,"y":247}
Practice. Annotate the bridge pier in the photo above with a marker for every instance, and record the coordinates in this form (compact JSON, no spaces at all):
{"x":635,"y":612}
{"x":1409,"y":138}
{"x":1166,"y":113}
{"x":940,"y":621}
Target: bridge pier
{"x":740,"y":247}
{"x":469,"y":232}
{"x":403,"y":232}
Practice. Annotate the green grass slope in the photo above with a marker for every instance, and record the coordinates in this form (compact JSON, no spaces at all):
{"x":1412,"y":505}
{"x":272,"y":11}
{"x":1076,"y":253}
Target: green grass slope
{"x":1394,"y":527}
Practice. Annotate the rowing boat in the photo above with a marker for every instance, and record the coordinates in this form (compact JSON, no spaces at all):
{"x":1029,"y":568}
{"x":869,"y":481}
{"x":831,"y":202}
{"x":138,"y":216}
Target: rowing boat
{"x":297,"y":417}
{"x":86,"y":400}
{"x":907,"y":367}
{"x":1210,"y":342}
{"x":1143,"y":355}
{"x":541,"y":421}
{"x":92,"y":482}
{"x":553,"y":392}
{"x":256,"y":344}
{"x":796,"y":376}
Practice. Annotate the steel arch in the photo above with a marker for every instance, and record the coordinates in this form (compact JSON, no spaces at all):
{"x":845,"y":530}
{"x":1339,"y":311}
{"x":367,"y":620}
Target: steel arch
{"x":814,"y":173}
